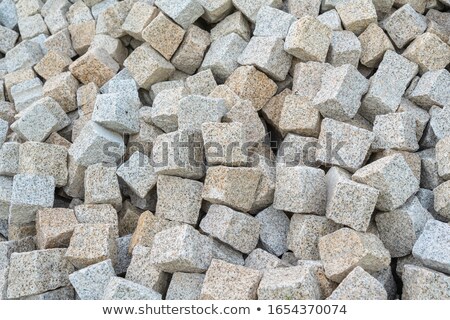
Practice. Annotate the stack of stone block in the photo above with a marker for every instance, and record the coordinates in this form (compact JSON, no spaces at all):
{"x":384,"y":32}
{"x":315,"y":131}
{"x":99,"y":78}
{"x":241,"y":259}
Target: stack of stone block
{"x":224,"y":149}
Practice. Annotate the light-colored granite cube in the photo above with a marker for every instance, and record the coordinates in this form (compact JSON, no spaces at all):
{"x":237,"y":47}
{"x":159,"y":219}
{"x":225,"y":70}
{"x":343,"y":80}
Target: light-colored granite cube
{"x":182,"y":12}
{"x":122,"y":289}
{"x":345,"y":48}
{"x":356,"y":15}
{"x":431,"y":90}
{"x":185,"y":286}
{"x":54,"y":227}
{"x":374,"y":43}
{"x":239,"y":230}
{"x":102,"y":186}
{"x":424,"y":284}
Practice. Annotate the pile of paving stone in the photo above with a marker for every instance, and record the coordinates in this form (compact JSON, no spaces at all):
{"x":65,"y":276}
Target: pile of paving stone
{"x":224,"y":149}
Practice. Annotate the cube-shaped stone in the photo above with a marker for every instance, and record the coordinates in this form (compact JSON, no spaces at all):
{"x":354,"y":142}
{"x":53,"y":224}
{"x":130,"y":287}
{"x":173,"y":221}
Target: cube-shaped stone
{"x":90,"y":282}
{"x":226,"y":281}
{"x":30,"y":193}
{"x":88,"y":148}
{"x":147,"y":66}
{"x":307,"y":78}
{"x":288,"y":283}
{"x":429,"y":175}
{"x":52,"y":64}
{"x":274,"y":230}
{"x":420,"y":115}
{"x":308,"y":39}
{"x":90,"y":244}
{"x":44,"y":159}
{"x":37,"y":272}
{"x":164,"y":112}
{"x":374,"y":43}
{"x":54,"y":227}
{"x":185,"y":286}
{"x":268,"y":55}
{"x":424,"y":284}
{"x":181,"y":11}
{"x":9,"y":158}
{"x":428,"y":60}
{"x":36,"y":123}
{"x":9,"y":38}
{"x":101,"y":185}
{"x":111,"y":19}
{"x":82,"y":35}
{"x":250,"y":84}
{"x":345,"y":48}
{"x":96,"y":66}
{"x":348,"y":202}
{"x":441,"y":201}
{"x":148,"y":226}
{"x":234,"y":23}
{"x":31,"y":26}
{"x":356,"y":15}
{"x":224,"y":143}
{"x":404,"y":25}
{"x":138,"y":174}
{"x":97,"y":214}
{"x":260,"y":259}
{"x":392,"y":177}
{"x":181,"y":249}
{"x":179,"y":153}
{"x":117,"y":112}
{"x":222,"y":56}
{"x":202,"y":83}
{"x":432,"y":248}
{"x":143,"y":272}
{"x":337,"y":145}
{"x":395,"y":131}
{"x":25,"y":55}
{"x":194,"y":111}
{"x":233,"y":187}
{"x":346,"y":249}
{"x":300,"y":189}
{"x":114,"y":47}
{"x":25,"y":93}
{"x":387,"y":85}
{"x":140,"y":15}
{"x":189,"y":55}
{"x":163,"y":35}
{"x":122,"y":289}
{"x":331,"y":19}
{"x":341,"y":92}
{"x":239,"y":230}
{"x":304,"y":234}
{"x":399,"y":229}
{"x":251,"y":9}
{"x":271,"y":22}
{"x":188,"y":195}
{"x":359,"y":285}
{"x":60,"y":41}
{"x":431,"y":89}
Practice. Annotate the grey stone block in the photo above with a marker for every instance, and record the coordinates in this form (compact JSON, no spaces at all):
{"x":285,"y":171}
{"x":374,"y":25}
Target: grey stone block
{"x":185,"y":286}
{"x":431,"y":89}
{"x":182,"y":12}
{"x":271,"y":22}
{"x":122,"y":289}
{"x":345,"y":48}
{"x":424,"y":284}
{"x":274,"y":230}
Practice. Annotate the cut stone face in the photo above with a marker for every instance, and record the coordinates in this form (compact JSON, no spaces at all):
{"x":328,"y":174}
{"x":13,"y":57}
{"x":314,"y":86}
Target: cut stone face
{"x":262,"y":260}
{"x":90,"y":244}
{"x":432,"y":89}
{"x":424,"y":284}
{"x":359,"y":285}
{"x":289,"y":283}
{"x":300,"y":189}
{"x":182,"y":12}
{"x":147,"y":66}
{"x":356,"y":15}
{"x":195,"y":110}
{"x":122,"y":289}
{"x":251,"y":8}
{"x":233,"y":187}
{"x":392,"y":177}
{"x":400,"y":229}
{"x":234,"y":23}
{"x":138,"y":174}
{"x":308,"y":39}
{"x":341,"y":91}
{"x":374,"y":43}
{"x":144,"y":272}
{"x":304,"y":234}
{"x":387,"y":85}
{"x":102,"y":186}
{"x":239,"y":230}
{"x":179,"y":199}
{"x":37,"y":271}
{"x":346,"y":249}
{"x":271,"y":22}
{"x":432,"y":248}
{"x":226,"y":281}
{"x":202,"y":83}
{"x":30,"y":193}
{"x":185,"y":286}
{"x":90,"y":282}
{"x":181,"y":249}
{"x":349,"y":203}
{"x":54,"y":227}
{"x":140,"y":15}
{"x":343,"y":145}
{"x":268,"y":55}
{"x":274,"y":230}
{"x":300,"y":116}
{"x":345,"y":48}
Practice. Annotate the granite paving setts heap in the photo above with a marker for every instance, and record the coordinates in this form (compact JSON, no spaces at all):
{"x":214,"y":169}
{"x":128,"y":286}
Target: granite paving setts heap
{"x":224,"y":149}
